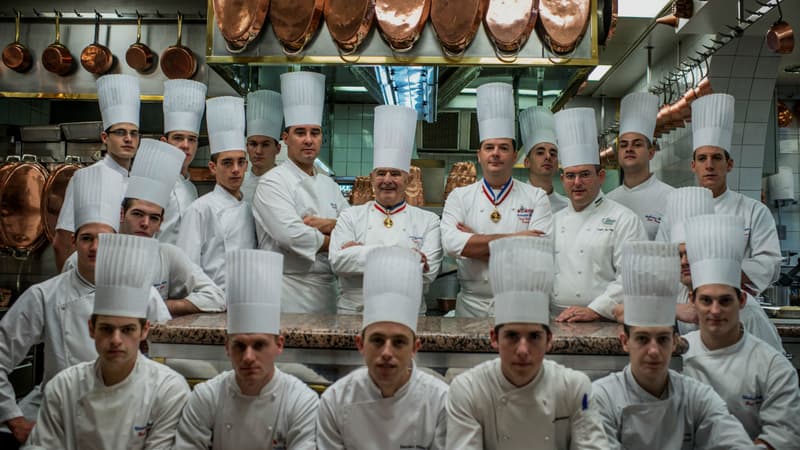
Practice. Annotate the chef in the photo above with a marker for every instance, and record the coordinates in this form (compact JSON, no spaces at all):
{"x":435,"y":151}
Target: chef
{"x":221,"y":221}
{"x":184,"y":103}
{"x":640,"y":191}
{"x":388,"y":220}
{"x":122,"y":399}
{"x":756,"y":381}
{"x":255,"y":405}
{"x":540,"y":152}
{"x":390,"y":403}
{"x":647,"y":405}
{"x":494,"y":207}
{"x":264,"y":121}
{"x":521,"y":400}
{"x":712,"y":133}
{"x":589,"y":233}
{"x":118,"y":97}
{"x":296,"y":207}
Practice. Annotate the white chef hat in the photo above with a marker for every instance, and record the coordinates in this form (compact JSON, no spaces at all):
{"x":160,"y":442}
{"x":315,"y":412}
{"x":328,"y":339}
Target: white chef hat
{"x":123,"y":275}
{"x":715,"y":248}
{"x":712,"y":121}
{"x":637,"y":114}
{"x":97,"y":194}
{"x":303,"y":97}
{"x":393,"y":139}
{"x":683,"y":203}
{"x":576,"y":130}
{"x":651,"y":273}
{"x":184,"y":103}
{"x":225,"y":123}
{"x":521,"y":276}
{"x":154,"y":172}
{"x":264,"y":114}
{"x":118,"y":97}
{"x":392,"y":287}
{"x":537,"y":125}
{"x":495,"y":111}
{"x":253,"y":283}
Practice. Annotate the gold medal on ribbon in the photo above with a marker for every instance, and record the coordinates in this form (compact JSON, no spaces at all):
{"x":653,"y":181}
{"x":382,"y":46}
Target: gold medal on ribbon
{"x":495,"y":216}
{"x":387,"y":222}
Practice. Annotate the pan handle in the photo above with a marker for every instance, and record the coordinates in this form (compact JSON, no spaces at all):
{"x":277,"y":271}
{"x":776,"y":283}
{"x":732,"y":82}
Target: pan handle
{"x":16,"y":27}
{"x":138,"y":27}
{"x":180,"y":28}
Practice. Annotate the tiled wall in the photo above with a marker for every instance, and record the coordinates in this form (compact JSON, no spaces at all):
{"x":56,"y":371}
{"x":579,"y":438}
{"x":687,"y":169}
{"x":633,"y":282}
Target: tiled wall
{"x":789,"y":155}
{"x":351,"y":149}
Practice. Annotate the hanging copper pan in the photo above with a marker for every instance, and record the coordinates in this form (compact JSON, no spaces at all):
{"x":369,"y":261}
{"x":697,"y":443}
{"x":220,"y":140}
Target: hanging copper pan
{"x":16,"y":56}
{"x":240,"y":21}
{"x":178,"y":61}
{"x":97,"y":58}
{"x":780,"y":38}
{"x":606,"y":20}
{"x":401,"y":22}
{"x":562,"y":24}
{"x":53,"y":194}
{"x":295,"y":22}
{"x":139,"y":56}
{"x":509,"y":23}
{"x":349,"y":22}
{"x":21,"y":224}
{"x":456,"y":22}
{"x":56,"y":57}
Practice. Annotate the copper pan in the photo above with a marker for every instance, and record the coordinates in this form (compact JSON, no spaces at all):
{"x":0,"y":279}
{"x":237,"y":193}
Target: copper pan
{"x":16,"y":56}
{"x":97,"y":58}
{"x":56,"y":57}
{"x":607,"y":20}
{"x":53,"y":194}
{"x":362,"y":191}
{"x":139,"y":56}
{"x":780,"y":38}
{"x":295,"y":22}
{"x":456,"y":22}
{"x":349,"y":22}
{"x":675,"y":115}
{"x":178,"y":61}
{"x":401,"y":22}
{"x":509,"y":23}
{"x":704,"y":87}
{"x":562,"y":24}
{"x":240,"y":21}
{"x":21,"y":225}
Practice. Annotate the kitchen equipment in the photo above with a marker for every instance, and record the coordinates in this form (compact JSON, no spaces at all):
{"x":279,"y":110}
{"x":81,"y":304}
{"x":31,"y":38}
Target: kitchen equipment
{"x":295,"y":22}
{"x":509,"y":23}
{"x":178,"y":61}
{"x":43,"y":141}
{"x":53,"y":194}
{"x":778,"y":295}
{"x":16,"y":56}
{"x":415,"y":196}
{"x":362,"y":191}
{"x":21,"y":225}
{"x":461,"y":174}
{"x":401,"y":22}
{"x":56,"y":58}
{"x":562,"y":24}
{"x":349,"y":22}
{"x":139,"y":56}
{"x":606,"y":20}
{"x":97,"y":58}
{"x":456,"y":23}
{"x":780,"y":36}
{"x":240,"y":21}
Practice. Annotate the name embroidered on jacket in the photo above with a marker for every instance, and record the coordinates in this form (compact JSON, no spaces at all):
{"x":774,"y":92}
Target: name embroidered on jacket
{"x":753,"y":400}
{"x":140,"y":430}
{"x":652,"y":218}
{"x":524,"y":214}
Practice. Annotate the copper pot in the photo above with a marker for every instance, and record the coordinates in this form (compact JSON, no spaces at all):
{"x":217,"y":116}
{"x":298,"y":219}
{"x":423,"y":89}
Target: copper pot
{"x":97,"y":58}
{"x":139,"y":56}
{"x":16,"y":56}
{"x":22,"y":228}
{"x":780,"y":37}
{"x":56,"y":57}
{"x":704,"y":87}
{"x":178,"y":61}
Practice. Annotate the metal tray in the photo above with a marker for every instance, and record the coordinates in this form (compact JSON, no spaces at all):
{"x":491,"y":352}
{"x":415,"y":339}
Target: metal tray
{"x":82,"y":131}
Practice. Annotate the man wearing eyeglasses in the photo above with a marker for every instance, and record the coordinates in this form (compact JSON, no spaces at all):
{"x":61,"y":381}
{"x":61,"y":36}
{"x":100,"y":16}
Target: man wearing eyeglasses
{"x":589,"y":233}
{"x":118,"y":96}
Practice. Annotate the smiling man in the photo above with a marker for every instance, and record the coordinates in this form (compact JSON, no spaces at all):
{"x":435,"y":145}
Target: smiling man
{"x":388,"y":220}
{"x":496,"y":206}
{"x":389,"y":403}
{"x":540,"y":152}
{"x":264,"y":121}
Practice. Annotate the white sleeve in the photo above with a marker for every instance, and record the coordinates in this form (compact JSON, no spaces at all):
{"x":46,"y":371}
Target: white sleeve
{"x":49,"y":432}
{"x":454,"y":240}
{"x":604,"y":405}
{"x":328,"y":435}
{"x":191,"y":239}
{"x":587,"y":430}
{"x":66,"y":216}
{"x":762,"y":261}
{"x":302,"y":420}
{"x":432,"y":248}
{"x":542,"y":218}
{"x":781,"y":407}
{"x":187,"y":280}
{"x":716,"y":427}
{"x":463,"y":429}
{"x":196,"y":426}
{"x":170,"y":397}
{"x":351,"y":260}
{"x":157,"y":311}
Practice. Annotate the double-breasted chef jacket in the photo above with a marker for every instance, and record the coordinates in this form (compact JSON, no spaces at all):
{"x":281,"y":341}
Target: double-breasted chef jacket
{"x":689,"y":415}
{"x":219,"y":416}
{"x":66,"y":216}
{"x":525,"y":208}
{"x":284,"y":196}
{"x":183,"y":194}
{"x":412,"y":227}
{"x":647,"y":200}
{"x":80,"y":412}
{"x":588,"y":254}
{"x":214,"y":224}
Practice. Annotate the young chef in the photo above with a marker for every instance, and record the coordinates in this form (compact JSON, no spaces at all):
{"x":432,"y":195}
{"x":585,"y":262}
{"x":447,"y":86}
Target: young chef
{"x":591,"y":230}
{"x":118,"y":97}
{"x":388,"y":220}
{"x":221,"y":221}
{"x":184,"y":103}
{"x":295,"y":207}
{"x":122,"y":399}
{"x":389,"y":403}
{"x":756,"y":381}
{"x":640,"y":191}
{"x":255,"y":405}
{"x":495,"y":206}
{"x":264,"y":121}
{"x":712,"y":134}
{"x":521,"y":400}
{"x":540,"y":152}
{"x":647,"y":405}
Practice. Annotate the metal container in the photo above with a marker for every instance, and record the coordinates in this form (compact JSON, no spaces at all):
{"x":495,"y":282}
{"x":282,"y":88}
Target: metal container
{"x":82,"y":131}
{"x":778,"y":295}
{"x":41,"y":133}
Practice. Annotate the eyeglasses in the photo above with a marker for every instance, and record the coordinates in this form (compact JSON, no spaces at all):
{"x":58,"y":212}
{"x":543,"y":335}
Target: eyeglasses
{"x":571,"y":176}
{"x":120,"y":132}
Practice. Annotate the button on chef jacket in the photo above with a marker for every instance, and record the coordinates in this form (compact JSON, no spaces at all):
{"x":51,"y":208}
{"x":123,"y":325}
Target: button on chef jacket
{"x":758,"y":384}
{"x":66,"y":216}
{"x":219,"y":416}
{"x":690,"y":415}
{"x":182,"y":195}
{"x":589,"y":254}
{"x":284,"y":196}
{"x":80,"y":412}
{"x":214,"y":224}
{"x":647,"y":200}
{"x":525,"y":208}
{"x":412,"y":228}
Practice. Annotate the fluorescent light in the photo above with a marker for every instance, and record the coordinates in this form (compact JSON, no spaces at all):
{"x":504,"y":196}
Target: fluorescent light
{"x":641,"y":8}
{"x":352,"y":89}
{"x":522,"y":92}
{"x":599,"y":72}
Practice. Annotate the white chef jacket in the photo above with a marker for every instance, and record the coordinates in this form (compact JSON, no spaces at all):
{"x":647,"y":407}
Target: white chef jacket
{"x":756,"y":381}
{"x":557,"y":201}
{"x":589,"y":252}
{"x":525,"y":208}
{"x":553,"y":411}
{"x":66,"y":216}
{"x":183,"y":194}
{"x":691,"y":415}
{"x":249,"y":185}
{"x":215,"y":224}
{"x":219,"y":416}
{"x":353,"y":414}
{"x":284,"y":196}
{"x":80,"y":412}
{"x":647,"y":200}
{"x":412,"y":228}
{"x":55,"y":312}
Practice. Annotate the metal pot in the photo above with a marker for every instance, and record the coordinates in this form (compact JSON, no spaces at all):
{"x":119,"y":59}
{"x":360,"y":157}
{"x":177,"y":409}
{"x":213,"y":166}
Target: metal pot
{"x":53,"y":194}
{"x":16,"y":56}
{"x":178,"y":61}
{"x":97,"y":58}
{"x":780,"y":38}
{"x":56,"y":57}
{"x":778,"y":295}
{"x":139,"y":56}
{"x":22,"y":229}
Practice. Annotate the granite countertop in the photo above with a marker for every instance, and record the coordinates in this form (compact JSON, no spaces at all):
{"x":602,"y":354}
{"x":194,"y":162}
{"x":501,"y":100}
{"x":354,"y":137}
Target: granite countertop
{"x":436,"y":333}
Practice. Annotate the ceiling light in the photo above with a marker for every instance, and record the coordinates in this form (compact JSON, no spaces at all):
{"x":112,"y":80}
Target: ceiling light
{"x":599,"y":72}
{"x":641,"y":8}
{"x":795,"y":69}
{"x":350,"y":89}
{"x":522,"y":92}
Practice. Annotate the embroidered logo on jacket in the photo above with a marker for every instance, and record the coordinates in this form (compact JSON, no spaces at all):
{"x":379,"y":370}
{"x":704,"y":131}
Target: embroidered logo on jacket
{"x":141,"y":431}
{"x":524,"y":214}
{"x":652,"y":218}
{"x":753,"y":400}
